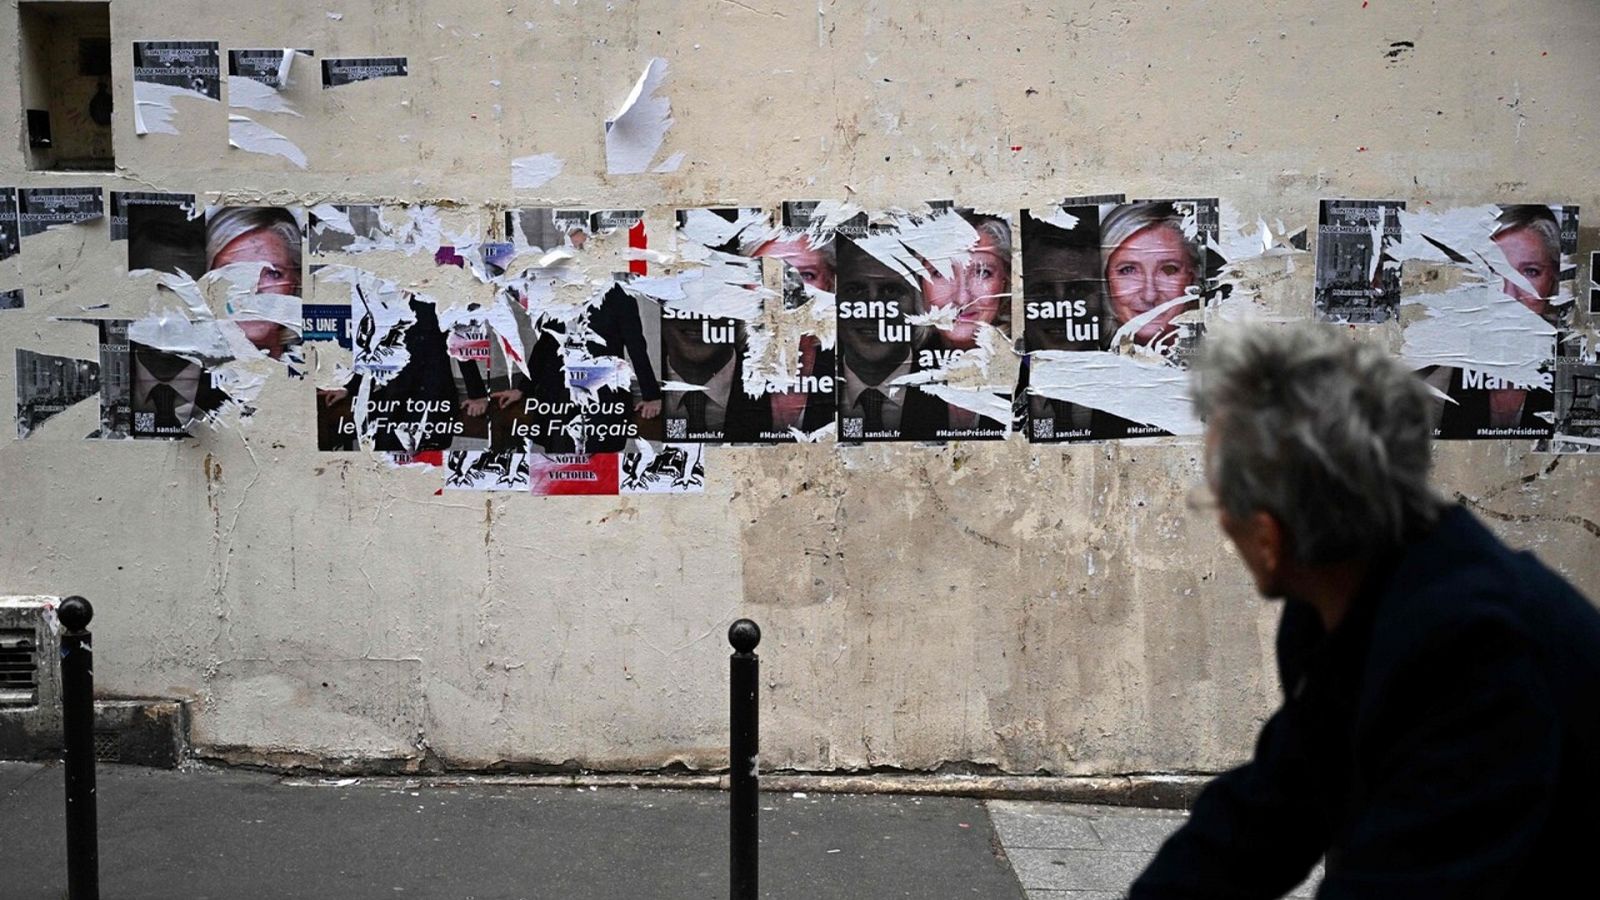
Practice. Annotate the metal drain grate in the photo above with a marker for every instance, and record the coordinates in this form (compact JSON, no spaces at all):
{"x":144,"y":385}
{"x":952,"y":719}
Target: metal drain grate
{"x":107,"y":746}
{"x":19,"y":667}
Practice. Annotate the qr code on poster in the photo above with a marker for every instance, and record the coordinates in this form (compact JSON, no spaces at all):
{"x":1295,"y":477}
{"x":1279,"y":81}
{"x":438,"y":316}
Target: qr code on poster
{"x":677,"y":429}
{"x":1044,"y":428}
{"x":144,"y":421}
{"x":855,"y":428}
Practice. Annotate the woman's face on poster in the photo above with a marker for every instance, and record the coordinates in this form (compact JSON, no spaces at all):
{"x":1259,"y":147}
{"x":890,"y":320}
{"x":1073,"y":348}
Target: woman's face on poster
{"x":978,"y":285}
{"x":279,"y":273}
{"x":813,"y":265}
{"x":1529,"y":256}
{"x":1150,"y":267}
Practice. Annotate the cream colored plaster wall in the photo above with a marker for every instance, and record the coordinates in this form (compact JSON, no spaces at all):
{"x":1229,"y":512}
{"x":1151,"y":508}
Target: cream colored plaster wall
{"x":1049,"y":608}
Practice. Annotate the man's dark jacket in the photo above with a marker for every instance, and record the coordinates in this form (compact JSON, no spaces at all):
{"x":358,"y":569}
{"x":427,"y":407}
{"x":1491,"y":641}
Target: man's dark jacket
{"x":1442,"y":741}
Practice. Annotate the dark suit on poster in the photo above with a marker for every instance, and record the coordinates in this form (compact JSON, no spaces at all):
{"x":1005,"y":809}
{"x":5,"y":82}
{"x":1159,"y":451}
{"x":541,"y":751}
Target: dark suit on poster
{"x":426,"y":377}
{"x":1470,"y":411}
{"x":926,"y":415}
{"x":1442,"y":741}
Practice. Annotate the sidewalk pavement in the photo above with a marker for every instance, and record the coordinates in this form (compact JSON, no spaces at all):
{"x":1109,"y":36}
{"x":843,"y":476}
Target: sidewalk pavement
{"x":211,"y":834}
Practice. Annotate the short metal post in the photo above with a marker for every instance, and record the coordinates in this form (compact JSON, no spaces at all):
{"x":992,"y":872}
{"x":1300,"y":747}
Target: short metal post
{"x":744,"y":761}
{"x":77,"y":726}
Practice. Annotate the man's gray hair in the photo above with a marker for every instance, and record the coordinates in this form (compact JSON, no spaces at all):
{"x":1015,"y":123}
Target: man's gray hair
{"x":226,"y":225}
{"x":1329,"y":436}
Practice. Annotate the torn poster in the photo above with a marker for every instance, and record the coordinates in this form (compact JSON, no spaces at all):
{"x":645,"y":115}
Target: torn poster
{"x":268,"y":67}
{"x":485,"y":470}
{"x":662,"y":469}
{"x":168,"y":391}
{"x":122,"y":200}
{"x":349,"y":70}
{"x":529,"y":172}
{"x":326,"y":322}
{"x":569,"y":475}
{"x":1104,"y":278}
{"x":1594,"y":282}
{"x":48,"y":385}
{"x":11,"y":299}
{"x":164,"y":70}
{"x":40,"y":209}
{"x":703,"y":355}
{"x":916,"y":297}
{"x":115,"y":418}
{"x":270,"y":236}
{"x":1495,"y":338}
{"x":802,"y":387}
{"x":245,"y":133}
{"x":547,"y":228}
{"x":10,"y":227}
{"x":1577,"y":407}
{"x":344,"y":228}
{"x":635,"y":134}
{"x":166,"y":237}
{"x":1357,"y":282}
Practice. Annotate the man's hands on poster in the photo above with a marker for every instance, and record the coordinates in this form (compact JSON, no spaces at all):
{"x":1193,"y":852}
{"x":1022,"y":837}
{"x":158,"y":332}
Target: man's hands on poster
{"x":647,"y":409}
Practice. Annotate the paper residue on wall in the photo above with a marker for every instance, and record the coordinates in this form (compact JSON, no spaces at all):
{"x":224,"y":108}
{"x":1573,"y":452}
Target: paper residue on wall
{"x":1156,"y":395}
{"x":253,"y":137}
{"x":533,"y":171}
{"x":635,"y":134}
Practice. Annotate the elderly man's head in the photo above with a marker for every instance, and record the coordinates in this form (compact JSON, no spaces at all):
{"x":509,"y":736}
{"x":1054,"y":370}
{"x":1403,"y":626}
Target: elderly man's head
{"x":1317,"y":447}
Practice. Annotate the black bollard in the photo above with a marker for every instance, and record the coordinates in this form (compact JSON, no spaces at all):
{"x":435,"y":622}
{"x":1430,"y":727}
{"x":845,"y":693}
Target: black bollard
{"x":77,"y":726}
{"x":744,"y":760}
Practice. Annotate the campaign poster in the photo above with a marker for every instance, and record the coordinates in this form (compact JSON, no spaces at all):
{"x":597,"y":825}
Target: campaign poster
{"x":168,"y":392}
{"x":707,"y":397}
{"x":548,"y":228}
{"x":48,"y":385}
{"x":1577,"y":406}
{"x":669,"y":468}
{"x":265,"y":66}
{"x":40,"y":209}
{"x":915,"y":295}
{"x":190,"y":65}
{"x":486,"y":470}
{"x":350,"y":70}
{"x":343,"y":228}
{"x":10,"y":228}
{"x":574,"y":474}
{"x":116,"y":418}
{"x":1539,"y":247}
{"x":166,"y":237}
{"x":1113,"y":277}
{"x":121,"y":201}
{"x":1356,"y":281}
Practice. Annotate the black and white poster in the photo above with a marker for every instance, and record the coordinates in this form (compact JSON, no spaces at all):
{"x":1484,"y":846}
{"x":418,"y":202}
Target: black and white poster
{"x":343,"y":228}
{"x":11,"y":299}
{"x":10,"y":228}
{"x":1356,"y":280}
{"x":166,"y":237}
{"x":122,"y":200}
{"x":40,"y":209}
{"x":349,"y":70}
{"x":1577,"y":406}
{"x":48,"y":385}
{"x":263,"y":65}
{"x":190,"y":65}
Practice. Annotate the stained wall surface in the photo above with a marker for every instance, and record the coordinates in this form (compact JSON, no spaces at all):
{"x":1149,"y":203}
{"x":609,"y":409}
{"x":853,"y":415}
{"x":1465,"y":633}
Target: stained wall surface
{"x":1029,"y":608}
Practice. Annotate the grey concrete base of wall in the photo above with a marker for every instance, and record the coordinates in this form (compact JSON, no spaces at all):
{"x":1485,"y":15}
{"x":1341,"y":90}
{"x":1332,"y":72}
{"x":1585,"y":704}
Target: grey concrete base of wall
{"x":138,"y":732}
{"x":1150,"y":791}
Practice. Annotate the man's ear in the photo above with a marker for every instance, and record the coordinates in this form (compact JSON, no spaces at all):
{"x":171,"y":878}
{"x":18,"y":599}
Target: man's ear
{"x":1269,"y":544}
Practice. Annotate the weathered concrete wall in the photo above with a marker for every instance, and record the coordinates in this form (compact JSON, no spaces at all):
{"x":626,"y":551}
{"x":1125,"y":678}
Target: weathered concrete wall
{"x":1029,"y":608}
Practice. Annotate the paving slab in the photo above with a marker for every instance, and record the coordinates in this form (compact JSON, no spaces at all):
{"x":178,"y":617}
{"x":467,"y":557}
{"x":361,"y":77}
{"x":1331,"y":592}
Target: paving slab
{"x":1066,"y":851}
